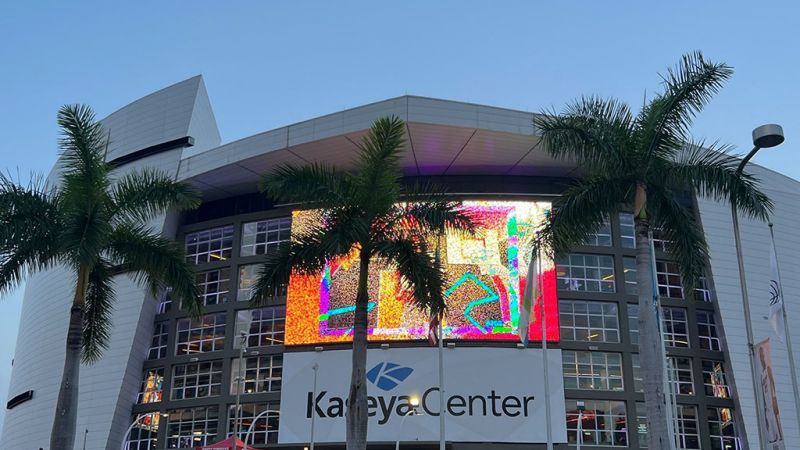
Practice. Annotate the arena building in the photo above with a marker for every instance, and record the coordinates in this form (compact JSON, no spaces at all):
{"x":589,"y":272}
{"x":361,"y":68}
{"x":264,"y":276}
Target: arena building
{"x":169,"y":381}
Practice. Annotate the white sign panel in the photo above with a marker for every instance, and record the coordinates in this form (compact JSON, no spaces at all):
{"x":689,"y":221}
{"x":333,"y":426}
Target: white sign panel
{"x":491,"y":395}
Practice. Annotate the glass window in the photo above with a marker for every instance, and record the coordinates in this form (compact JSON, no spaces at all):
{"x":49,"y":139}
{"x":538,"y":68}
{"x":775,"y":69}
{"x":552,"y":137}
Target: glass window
{"x":144,"y":435}
{"x":588,"y":321}
{"x":165,"y":302}
{"x":261,"y":374}
{"x":197,"y":380}
{"x":722,"y":429}
{"x":687,"y":432}
{"x":247,"y":280}
{"x":627,"y":230}
{"x":638,"y":381}
{"x":265,"y":430}
{"x":214,"y":286}
{"x":209,"y":245}
{"x":659,"y":242}
{"x":601,"y":237}
{"x":263,"y":326}
{"x":676,"y":329}
{"x":264,"y":236}
{"x":204,"y":335}
{"x":681,"y":376}
{"x":152,"y":382}
{"x":702,"y":292}
{"x":707,"y":331}
{"x":587,"y":273}
{"x":629,"y":268}
{"x":641,"y":424}
{"x":714,"y":380}
{"x":600,"y":371}
{"x":633,"y":323}
{"x":603,"y":423}
{"x":192,"y":427}
{"x":668,"y":275}
{"x":158,"y":345}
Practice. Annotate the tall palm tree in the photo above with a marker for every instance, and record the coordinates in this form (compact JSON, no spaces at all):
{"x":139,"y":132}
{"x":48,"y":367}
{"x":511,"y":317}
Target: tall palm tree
{"x":95,"y":225}
{"x":361,"y":209}
{"x":647,"y":161}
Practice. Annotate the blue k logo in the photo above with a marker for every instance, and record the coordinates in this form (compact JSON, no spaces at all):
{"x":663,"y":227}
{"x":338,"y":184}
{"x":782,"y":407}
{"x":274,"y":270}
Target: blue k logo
{"x":388,"y":375}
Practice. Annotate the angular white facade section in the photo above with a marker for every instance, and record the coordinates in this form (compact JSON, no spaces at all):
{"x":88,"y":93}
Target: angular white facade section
{"x":108,"y":388}
{"x":716,"y":218}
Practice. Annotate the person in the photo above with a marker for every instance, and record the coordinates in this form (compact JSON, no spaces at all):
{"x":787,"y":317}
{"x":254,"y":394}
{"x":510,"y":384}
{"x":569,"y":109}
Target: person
{"x":772,"y":415}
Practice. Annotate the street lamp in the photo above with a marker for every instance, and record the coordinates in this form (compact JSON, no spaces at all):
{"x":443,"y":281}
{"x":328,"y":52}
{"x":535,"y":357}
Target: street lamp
{"x":315,"y":368}
{"x":765,"y":136}
{"x":414,"y":402}
{"x":135,"y":422}
{"x":239,"y":380}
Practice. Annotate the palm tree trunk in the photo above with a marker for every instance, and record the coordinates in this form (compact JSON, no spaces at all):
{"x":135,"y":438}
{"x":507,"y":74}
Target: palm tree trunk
{"x":62,"y":436}
{"x":357,"y":400}
{"x":652,"y":366}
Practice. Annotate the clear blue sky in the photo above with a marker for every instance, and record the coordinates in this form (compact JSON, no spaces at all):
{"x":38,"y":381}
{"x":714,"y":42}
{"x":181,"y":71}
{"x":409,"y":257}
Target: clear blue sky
{"x":268,"y":64}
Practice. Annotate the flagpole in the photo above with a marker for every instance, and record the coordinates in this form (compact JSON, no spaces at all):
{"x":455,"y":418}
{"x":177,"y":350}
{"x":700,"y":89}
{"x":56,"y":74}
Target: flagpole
{"x":442,"y":408}
{"x":792,"y":367}
{"x":540,"y":279}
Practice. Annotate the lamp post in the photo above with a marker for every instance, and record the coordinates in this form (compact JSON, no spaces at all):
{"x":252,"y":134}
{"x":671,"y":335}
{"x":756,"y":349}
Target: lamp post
{"x":414,"y":402}
{"x":581,"y":406}
{"x":315,"y":368}
{"x":239,"y":380}
{"x":130,"y":428}
{"x":765,"y":136}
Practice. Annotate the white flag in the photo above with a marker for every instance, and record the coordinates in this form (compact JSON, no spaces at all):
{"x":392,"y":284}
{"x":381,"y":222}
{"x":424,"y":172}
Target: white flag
{"x":528,"y":298}
{"x":776,"y":296}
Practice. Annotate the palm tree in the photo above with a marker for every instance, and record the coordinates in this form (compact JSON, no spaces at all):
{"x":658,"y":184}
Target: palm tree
{"x":648,"y":161}
{"x":93,"y":224}
{"x":361,"y":210}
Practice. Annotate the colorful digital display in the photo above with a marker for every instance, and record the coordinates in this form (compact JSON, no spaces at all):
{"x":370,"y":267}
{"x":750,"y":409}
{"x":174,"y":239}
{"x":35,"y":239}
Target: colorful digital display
{"x":485,"y":275}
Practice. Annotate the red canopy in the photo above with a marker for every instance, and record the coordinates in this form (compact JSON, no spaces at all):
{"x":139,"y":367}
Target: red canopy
{"x":232,"y":443}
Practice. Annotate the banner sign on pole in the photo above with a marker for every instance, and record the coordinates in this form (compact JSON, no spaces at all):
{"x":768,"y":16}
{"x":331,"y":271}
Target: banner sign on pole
{"x":773,"y":433}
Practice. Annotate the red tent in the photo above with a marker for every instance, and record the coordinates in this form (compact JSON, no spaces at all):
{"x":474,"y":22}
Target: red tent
{"x":232,"y":443}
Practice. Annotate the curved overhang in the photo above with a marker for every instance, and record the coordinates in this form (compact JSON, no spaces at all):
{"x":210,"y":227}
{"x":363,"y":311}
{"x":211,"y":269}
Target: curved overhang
{"x":443,"y":138}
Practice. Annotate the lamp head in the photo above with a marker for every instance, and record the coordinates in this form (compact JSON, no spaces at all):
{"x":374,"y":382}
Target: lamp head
{"x":414,"y":401}
{"x":769,"y":135}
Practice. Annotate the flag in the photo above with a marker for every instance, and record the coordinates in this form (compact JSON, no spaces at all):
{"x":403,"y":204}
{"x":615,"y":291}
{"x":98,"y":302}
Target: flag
{"x":768,"y":397}
{"x":433,"y":330}
{"x":776,"y":296}
{"x":526,"y":305}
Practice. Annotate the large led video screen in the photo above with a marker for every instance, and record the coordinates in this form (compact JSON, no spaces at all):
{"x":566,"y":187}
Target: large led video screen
{"x":485,"y":278}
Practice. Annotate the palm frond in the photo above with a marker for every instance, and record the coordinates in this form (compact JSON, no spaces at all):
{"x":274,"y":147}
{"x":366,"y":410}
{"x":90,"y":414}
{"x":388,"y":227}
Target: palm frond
{"x":421,"y":273}
{"x":582,"y":209}
{"x":83,"y":141}
{"x":97,"y":312}
{"x":313,"y":185}
{"x":592,"y":131}
{"x":305,"y":254}
{"x":157,"y":261}
{"x":664,"y":123}
{"x":144,"y":194}
{"x":378,"y":167}
{"x":712,"y":172}
{"x":29,"y":234}
{"x":678,"y":225}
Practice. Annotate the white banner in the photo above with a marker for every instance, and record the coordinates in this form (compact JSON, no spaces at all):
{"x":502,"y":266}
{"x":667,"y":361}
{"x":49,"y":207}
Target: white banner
{"x":491,"y":395}
{"x":773,"y":433}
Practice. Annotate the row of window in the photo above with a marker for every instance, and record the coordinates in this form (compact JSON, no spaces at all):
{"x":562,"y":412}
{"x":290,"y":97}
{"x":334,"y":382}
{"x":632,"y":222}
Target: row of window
{"x":601,"y":423}
{"x":603,"y":236}
{"x":193,"y":427}
{"x":260,"y":374}
{"x":602,"y":371}
{"x":582,"y":272}
{"x":605,"y":423}
{"x":262,"y":327}
{"x":593,"y":321}
{"x":258,"y":238}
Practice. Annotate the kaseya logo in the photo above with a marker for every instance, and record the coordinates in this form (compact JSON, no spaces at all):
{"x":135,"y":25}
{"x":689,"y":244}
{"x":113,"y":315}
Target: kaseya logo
{"x":386,"y":376}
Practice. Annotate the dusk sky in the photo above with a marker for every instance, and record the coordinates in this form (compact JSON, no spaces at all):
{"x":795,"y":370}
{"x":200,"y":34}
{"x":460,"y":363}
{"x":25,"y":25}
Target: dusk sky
{"x":270,"y":64}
